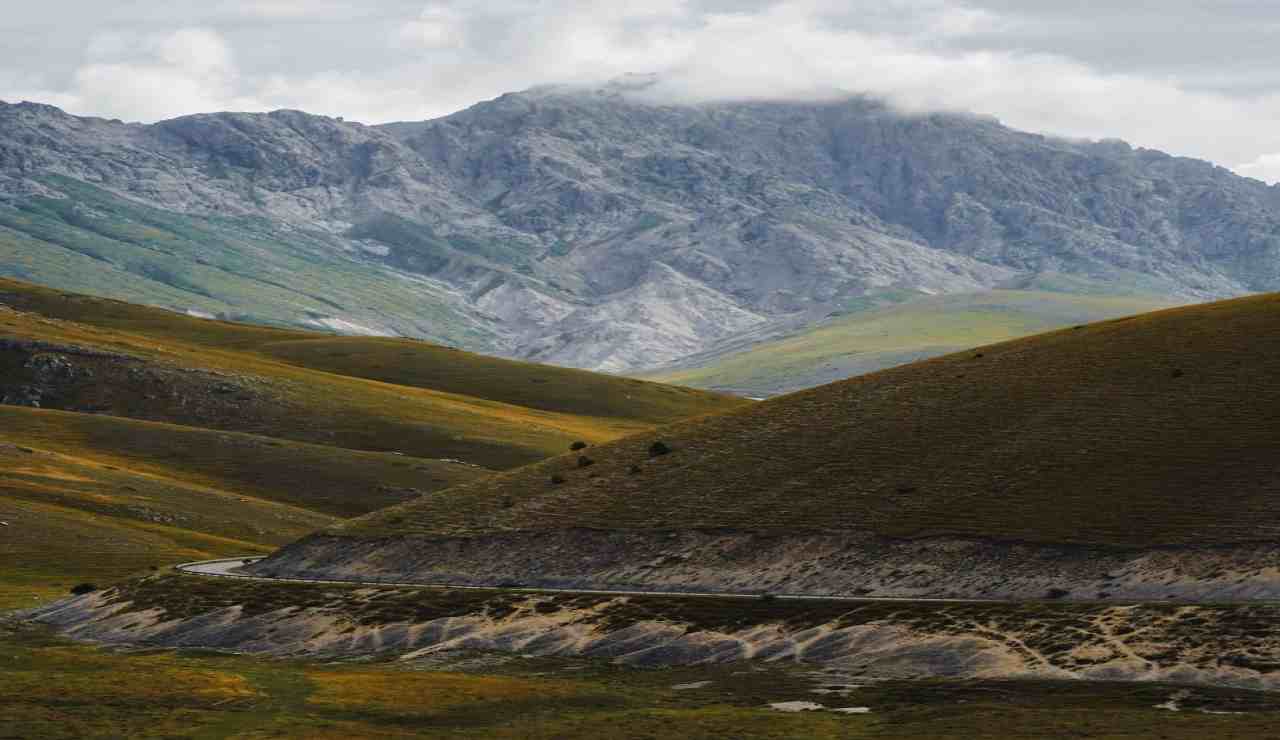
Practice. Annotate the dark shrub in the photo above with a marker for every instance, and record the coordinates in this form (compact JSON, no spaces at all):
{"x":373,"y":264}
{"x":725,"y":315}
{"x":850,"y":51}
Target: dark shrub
{"x":585,"y":462}
{"x":83,"y":588}
{"x":579,"y":445}
{"x":658,"y":449}
{"x":508,"y":502}
{"x":1057,"y":593}
{"x":557,"y":480}
{"x":633,"y":470}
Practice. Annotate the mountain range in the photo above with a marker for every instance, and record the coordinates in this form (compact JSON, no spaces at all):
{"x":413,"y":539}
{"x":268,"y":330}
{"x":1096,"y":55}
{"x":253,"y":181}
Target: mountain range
{"x":602,"y":229}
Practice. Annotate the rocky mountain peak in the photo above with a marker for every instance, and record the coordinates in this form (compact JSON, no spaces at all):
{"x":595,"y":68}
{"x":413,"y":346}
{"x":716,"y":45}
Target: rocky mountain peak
{"x":603,"y":228}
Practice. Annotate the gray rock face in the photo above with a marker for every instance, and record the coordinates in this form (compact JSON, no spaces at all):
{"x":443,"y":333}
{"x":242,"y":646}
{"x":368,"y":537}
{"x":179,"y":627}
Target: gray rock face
{"x":595,"y":229}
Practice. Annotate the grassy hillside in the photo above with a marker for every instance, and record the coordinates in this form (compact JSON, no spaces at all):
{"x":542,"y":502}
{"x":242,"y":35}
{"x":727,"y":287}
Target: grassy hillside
{"x":403,"y":362}
{"x":358,"y":393}
{"x":876,"y":338}
{"x":1156,"y":429}
{"x":162,"y":437}
{"x":239,"y":267}
{"x":94,"y":498}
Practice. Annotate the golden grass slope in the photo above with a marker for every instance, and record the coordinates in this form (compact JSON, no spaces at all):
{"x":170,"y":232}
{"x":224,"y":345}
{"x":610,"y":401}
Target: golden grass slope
{"x":351,"y":392}
{"x":94,"y":498}
{"x":1154,"y":430}
{"x":164,"y":438}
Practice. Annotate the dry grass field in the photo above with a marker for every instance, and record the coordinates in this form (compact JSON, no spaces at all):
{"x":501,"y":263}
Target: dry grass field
{"x":162,"y":437}
{"x":1158,"y":429}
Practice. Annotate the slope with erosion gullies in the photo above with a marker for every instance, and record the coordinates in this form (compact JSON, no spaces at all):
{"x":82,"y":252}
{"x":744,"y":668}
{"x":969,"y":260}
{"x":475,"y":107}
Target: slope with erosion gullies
{"x":1132,"y":458}
{"x":894,"y":328}
{"x":79,"y":353}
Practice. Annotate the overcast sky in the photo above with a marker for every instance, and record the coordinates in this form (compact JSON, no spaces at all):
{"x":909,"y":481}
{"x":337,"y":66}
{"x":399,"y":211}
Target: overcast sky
{"x":1193,"y":77}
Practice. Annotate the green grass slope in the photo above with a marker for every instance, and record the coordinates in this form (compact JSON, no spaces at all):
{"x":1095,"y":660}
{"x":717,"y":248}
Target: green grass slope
{"x":1155,"y":429}
{"x":880,"y":337}
{"x":97,"y":242}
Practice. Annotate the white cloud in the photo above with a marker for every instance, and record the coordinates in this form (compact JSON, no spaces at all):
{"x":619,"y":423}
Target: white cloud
{"x":1028,"y":62}
{"x":1265,"y":168}
{"x":437,"y":27}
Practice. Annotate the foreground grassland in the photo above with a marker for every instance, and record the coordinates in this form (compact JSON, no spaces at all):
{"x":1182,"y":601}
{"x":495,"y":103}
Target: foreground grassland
{"x":50,"y":688}
{"x":879,"y":338}
{"x":1152,"y":430}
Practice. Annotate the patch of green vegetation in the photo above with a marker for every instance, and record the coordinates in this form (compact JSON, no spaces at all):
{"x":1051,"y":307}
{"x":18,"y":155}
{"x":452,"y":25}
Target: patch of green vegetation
{"x":891,"y":328}
{"x":240,"y":268}
{"x":1151,"y":430}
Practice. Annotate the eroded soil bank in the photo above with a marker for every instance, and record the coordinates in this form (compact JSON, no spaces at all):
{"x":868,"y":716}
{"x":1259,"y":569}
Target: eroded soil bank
{"x":822,"y":564}
{"x":1224,"y":645}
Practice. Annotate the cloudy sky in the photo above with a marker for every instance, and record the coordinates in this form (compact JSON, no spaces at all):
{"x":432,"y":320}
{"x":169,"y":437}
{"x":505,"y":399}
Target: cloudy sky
{"x":1193,"y":77}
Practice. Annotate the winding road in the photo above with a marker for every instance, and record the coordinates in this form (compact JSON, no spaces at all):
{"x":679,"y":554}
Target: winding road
{"x":226,"y":567}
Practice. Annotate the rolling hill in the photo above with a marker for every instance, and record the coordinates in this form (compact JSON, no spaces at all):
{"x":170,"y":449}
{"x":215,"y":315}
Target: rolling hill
{"x":894,"y":329}
{"x":1131,"y":458}
{"x":134,"y":436}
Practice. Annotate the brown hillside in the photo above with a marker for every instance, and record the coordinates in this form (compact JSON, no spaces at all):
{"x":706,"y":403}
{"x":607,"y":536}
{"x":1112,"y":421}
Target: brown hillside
{"x":1159,"y":429}
{"x":78,"y":353}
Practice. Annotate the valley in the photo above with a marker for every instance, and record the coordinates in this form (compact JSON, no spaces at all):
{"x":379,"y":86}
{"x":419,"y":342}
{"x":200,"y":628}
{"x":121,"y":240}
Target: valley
{"x":133,"y":437}
{"x":580,"y":411}
{"x":597,"y":228}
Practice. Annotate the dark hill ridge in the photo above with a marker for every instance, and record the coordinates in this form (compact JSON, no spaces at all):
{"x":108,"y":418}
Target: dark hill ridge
{"x":1133,"y":458}
{"x":592,"y":228}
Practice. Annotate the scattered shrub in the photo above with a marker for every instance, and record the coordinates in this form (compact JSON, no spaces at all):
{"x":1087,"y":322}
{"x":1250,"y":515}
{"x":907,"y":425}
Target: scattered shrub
{"x":81,"y":589}
{"x":658,"y":449}
{"x":585,"y":462}
{"x":557,"y":480}
{"x":579,"y":445}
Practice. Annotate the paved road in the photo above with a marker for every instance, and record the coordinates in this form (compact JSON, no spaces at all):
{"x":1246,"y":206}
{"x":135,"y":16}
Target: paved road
{"x":227,"y":567}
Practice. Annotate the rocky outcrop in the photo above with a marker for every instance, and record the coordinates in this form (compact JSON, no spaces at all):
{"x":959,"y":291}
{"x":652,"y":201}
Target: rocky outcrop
{"x":599,"y":229}
{"x":1222,"y":645}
